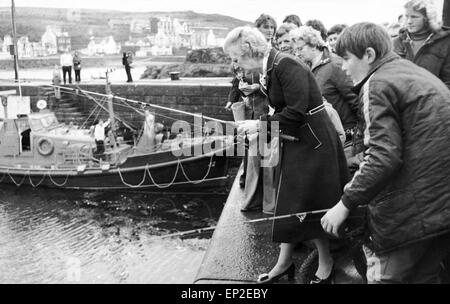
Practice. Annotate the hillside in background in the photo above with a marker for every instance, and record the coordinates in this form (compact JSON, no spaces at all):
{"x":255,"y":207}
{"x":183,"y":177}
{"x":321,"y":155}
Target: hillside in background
{"x":82,"y":24}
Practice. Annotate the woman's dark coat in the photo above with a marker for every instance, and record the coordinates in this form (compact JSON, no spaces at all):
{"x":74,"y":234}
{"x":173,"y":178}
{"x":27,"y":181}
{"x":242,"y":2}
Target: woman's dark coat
{"x":312,"y":171}
{"x":337,"y":87}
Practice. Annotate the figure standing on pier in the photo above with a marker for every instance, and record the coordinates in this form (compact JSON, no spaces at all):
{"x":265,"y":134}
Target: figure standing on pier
{"x":66,"y":61}
{"x":77,"y":66}
{"x":127,"y":60}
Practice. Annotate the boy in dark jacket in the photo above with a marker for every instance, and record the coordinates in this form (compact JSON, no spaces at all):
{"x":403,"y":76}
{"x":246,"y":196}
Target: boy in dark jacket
{"x":403,"y":178}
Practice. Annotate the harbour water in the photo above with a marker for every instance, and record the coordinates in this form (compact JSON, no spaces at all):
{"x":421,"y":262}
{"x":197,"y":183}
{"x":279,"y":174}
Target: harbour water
{"x":54,"y":236}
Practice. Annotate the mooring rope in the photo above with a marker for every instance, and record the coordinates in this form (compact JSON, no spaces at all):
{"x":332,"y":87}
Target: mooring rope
{"x":31,"y":182}
{"x":55,"y":183}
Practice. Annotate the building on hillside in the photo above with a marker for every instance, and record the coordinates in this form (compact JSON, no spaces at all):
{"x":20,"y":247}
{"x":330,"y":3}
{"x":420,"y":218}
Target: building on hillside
{"x":139,"y":42}
{"x":103,"y":46}
{"x":24,"y":47}
{"x":140,"y":26}
{"x":4,"y":50}
{"x":63,"y":42}
{"x":7,"y":41}
{"x":154,"y":25}
{"x":208,"y":37}
{"x":172,"y":32}
{"x":49,"y":40}
{"x":119,"y":25}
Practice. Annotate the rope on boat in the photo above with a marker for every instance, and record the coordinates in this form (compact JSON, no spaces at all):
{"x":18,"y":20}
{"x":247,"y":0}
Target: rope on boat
{"x":31,"y":181}
{"x":167,"y":185}
{"x":130,"y":185}
{"x":56,"y":184}
{"x":146,"y":170}
{"x":204,"y":178}
{"x":12,"y":179}
{"x":171,"y":182}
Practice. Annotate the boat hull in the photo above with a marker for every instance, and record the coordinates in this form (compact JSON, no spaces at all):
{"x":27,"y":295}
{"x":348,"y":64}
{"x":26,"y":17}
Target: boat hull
{"x":191,"y":173}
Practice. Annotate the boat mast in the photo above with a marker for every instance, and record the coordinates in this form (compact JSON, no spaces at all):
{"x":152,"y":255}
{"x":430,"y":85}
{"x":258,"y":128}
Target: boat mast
{"x":110,"y":107}
{"x":16,"y":59}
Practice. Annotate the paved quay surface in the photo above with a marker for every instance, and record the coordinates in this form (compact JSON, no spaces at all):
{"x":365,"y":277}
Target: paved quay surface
{"x":239,"y":251}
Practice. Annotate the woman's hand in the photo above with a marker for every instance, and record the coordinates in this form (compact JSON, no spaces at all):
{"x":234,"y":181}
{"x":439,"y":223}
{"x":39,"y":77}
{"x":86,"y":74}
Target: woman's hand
{"x":334,"y":218}
{"x":228,"y":106}
{"x":248,"y":126}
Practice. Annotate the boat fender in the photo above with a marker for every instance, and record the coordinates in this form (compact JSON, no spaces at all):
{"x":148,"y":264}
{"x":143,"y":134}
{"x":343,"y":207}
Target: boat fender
{"x":45,"y":146}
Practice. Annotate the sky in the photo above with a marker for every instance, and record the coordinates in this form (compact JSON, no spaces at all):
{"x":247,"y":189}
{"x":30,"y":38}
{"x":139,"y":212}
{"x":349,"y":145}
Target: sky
{"x":330,"y":12}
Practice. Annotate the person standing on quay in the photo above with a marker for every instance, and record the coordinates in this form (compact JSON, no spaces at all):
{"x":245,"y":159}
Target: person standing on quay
{"x":66,"y":61}
{"x":77,"y":66}
{"x":127,"y":60}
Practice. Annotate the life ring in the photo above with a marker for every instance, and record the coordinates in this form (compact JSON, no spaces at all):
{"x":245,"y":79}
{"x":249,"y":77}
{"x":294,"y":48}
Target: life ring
{"x":45,"y":146}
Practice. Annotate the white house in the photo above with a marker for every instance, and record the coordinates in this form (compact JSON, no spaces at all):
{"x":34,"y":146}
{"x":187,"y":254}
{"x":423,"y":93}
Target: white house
{"x":24,"y":47}
{"x":49,"y":40}
{"x":4,"y":51}
{"x":105,"y":45}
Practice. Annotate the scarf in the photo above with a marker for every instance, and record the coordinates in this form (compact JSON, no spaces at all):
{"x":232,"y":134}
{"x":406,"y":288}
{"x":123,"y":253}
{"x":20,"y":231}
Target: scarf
{"x":422,"y":35}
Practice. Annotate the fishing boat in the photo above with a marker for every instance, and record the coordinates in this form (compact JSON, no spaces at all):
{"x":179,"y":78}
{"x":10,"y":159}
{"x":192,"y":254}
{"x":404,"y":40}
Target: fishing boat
{"x":39,"y":151}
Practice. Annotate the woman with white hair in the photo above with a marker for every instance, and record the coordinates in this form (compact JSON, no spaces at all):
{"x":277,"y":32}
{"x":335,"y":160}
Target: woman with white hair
{"x":335,"y":85}
{"x":312,"y":171}
{"x":424,"y":42}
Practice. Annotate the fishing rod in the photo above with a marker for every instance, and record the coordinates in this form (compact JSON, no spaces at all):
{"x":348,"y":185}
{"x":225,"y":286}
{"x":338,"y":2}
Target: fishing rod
{"x":301,"y":216}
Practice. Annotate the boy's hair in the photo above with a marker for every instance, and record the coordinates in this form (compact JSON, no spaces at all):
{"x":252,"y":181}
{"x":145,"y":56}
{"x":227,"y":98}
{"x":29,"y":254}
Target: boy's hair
{"x":284,"y":29}
{"x":264,"y":19}
{"x":428,"y":9}
{"x":357,"y":38}
{"x":293,"y":19}
{"x":337,"y":29}
{"x":318,"y":25}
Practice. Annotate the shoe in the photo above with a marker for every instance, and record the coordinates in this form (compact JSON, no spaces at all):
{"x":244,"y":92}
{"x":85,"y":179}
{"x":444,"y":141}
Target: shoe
{"x":329,"y":280}
{"x":242,"y":181}
{"x":265,"y":279}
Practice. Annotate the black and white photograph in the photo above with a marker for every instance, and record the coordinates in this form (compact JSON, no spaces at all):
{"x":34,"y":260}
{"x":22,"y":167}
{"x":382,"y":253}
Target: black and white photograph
{"x":224,"y":148}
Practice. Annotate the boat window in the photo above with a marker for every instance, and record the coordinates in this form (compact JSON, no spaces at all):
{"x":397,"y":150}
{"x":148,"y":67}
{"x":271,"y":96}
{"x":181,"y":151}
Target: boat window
{"x":36,"y":124}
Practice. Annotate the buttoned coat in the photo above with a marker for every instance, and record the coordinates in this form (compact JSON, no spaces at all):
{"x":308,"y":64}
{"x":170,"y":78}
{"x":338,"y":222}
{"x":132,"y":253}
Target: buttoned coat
{"x":312,"y":171}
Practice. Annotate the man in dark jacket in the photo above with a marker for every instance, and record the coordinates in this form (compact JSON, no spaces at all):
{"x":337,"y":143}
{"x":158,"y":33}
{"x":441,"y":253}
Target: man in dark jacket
{"x":127,"y":60}
{"x":404,"y":177}
{"x":423,"y":41}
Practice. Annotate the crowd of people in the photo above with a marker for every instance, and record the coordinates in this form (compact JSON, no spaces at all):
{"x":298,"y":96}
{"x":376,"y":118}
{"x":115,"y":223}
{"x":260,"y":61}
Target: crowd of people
{"x":365,"y":122}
